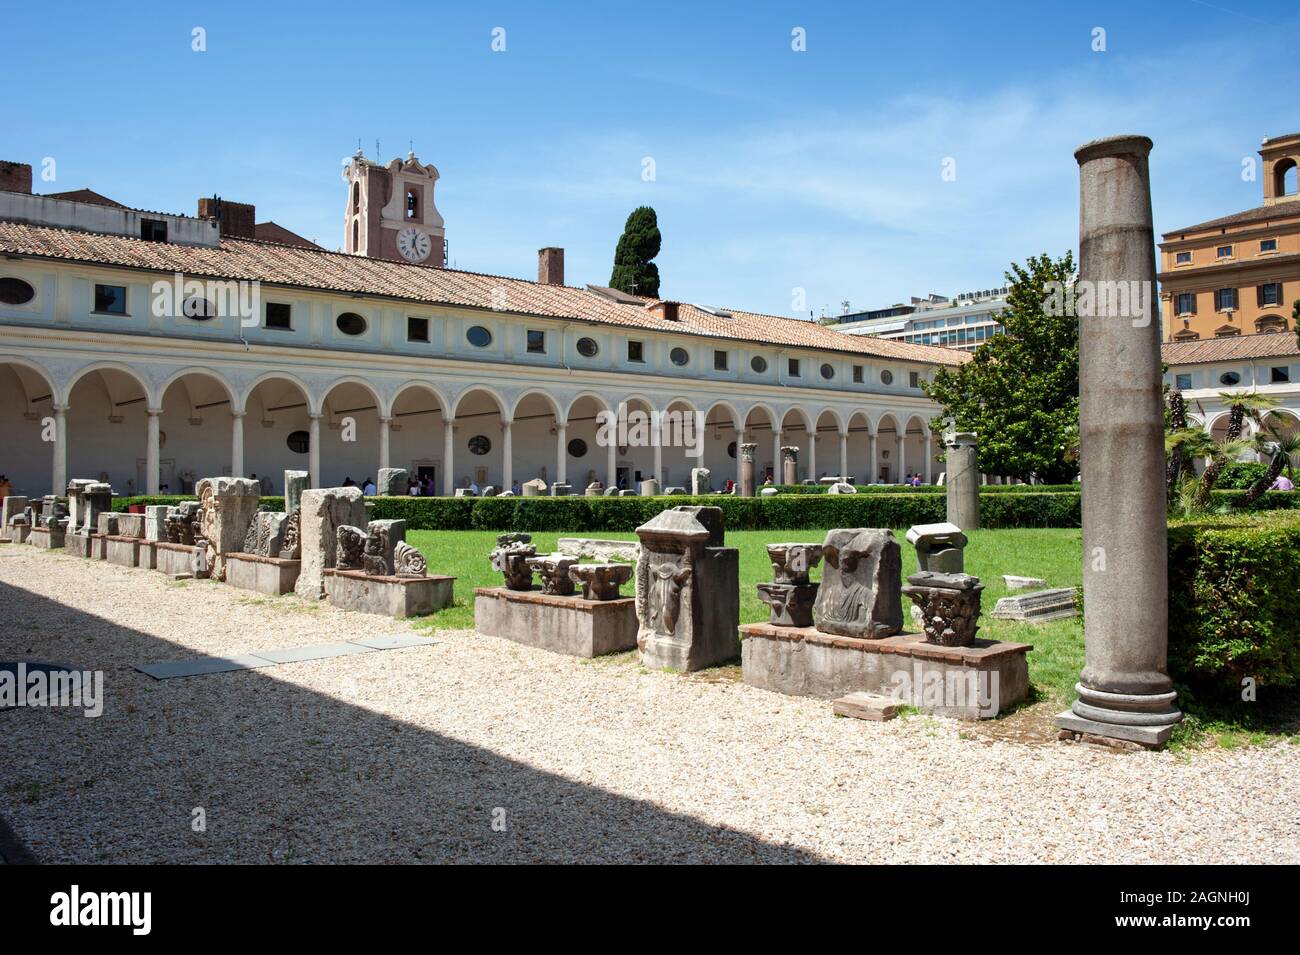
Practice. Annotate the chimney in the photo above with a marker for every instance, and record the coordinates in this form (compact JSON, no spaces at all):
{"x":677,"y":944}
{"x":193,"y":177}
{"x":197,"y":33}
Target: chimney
{"x":665,"y":309}
{"x":15,"y":177}
{"x":237,"y":219}
{"x":550,"y":266}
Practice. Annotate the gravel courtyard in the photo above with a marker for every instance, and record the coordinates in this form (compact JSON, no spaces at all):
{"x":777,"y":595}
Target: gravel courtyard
{"x":479,"y":750}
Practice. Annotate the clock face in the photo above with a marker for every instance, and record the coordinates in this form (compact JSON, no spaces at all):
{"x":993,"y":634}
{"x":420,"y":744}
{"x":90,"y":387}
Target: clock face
{"x":414,"y":245}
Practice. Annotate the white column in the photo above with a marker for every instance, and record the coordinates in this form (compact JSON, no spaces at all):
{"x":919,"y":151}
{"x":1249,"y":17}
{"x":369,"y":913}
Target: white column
{"x":383,"y":441}
{"x":313,"y":455}
{"x":237,"y":444}
{"x":900,"y":440}
{"x":844,"y":456}
{"x":59,"y":469}
{"x":611,"y":464}
{"x":875,"y":464}
{"x":740,"y":439}
{"x":812,"y":454}
{"x":659,"y":451}
{"x":929,"y":457}
{"x":777,"y":475}
{"x":507,"y":457}
{"x":448,"y":438}
{"x":151,"y":453}
{"x":561,"y":453}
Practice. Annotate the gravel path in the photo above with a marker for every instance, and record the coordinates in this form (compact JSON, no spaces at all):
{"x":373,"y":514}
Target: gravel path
{"x":476,"y":749}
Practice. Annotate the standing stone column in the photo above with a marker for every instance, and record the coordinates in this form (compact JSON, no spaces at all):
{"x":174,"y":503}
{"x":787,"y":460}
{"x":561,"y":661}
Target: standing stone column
{"x":790,"y":464}
{"x":659,"y":452}
{"x":59,"y":469}
{"x":963,"y":481}
{"x":151,"y":453}
{"x":929,"y":457}
{"x":561,"y":454}
{"x":1124,"y":691}
{"x":384,"y":434}
{"x":776,"y":456}
{"x":900,"y":452}
{"x":740,"y":463}
{"x":872,"y":448}
{"x":747,"y":469}
{"x":812,"y":455}
{"x":448,"y":438}
{"x":237,"y":443}
{"x":844,"y":457}
{"x":313,"y":449}
{"x":507,"y":457}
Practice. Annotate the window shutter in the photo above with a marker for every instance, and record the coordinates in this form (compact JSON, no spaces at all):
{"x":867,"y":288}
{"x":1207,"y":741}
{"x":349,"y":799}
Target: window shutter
{"x":1259,"y":295}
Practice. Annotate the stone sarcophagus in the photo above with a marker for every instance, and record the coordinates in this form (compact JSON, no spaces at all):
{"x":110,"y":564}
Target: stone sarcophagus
{"x":860,"y":594}
{"x":687,"y":591}
{"x":227,"y":506}
{"x":790,"y":594}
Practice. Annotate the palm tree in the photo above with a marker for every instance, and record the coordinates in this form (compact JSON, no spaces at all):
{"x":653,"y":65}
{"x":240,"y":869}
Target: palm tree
{"x":1177,"y":422}
{"x":1195,"y":443}
{"x":1283,"y":449}
{"x":1242,"y":405}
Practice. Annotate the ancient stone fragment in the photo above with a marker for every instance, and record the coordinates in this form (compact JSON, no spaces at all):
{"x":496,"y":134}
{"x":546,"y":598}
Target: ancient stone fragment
{"x":351,"y":548}
{"x":391,"y":482}
{"x":790,"y":594}
{"x":950,"y":606}
{"x":554,"y":571}
{"x":227,"y":506}
{"x":321,"y":513}
{"x":600,"y":581}
{"x":408,"y":561}
{"x":860,"y":588}
{"x":510,"y":558}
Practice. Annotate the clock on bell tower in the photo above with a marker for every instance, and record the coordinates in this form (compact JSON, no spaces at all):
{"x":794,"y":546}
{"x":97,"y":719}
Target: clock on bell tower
{"x":391,"y":212}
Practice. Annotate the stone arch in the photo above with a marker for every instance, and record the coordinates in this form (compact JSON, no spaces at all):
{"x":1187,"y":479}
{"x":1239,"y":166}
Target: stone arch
{"x":535,"y":428}
{"x":108,"y":424}
{"x":313,"y":401}
{"x":761,"y":424}
{"x":27,"y":399}
{"x":1285,"y":182}
{"x":417,"y":416}
{"x":915,"y":447}
{"x":105,"y":366}
{"x":682,"y":439}
{"x":196,"y":425}
{"x":546,"y":397}
{"x":582,"y":419}
{"x":722,"y":426}
{"x":861,"y":468}
{"x":889,"y":469}
{"x":277,"y":411}
{"x":205,"y":373}
{"x":479,"y":421}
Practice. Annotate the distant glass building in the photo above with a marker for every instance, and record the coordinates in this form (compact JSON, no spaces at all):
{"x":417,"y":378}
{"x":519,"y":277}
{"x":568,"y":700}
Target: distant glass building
{"x":965,"y":322}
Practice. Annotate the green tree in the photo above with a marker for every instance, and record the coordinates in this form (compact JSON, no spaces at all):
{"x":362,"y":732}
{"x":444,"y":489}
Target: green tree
{"x":634,"y":273}
{"x":1020,"y":391}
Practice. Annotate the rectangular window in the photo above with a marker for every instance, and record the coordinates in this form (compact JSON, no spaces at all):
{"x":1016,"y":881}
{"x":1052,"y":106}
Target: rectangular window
{"x":1224,"y":252}
{"x":1182,"y":382}
{"x":153,"y":230}
{"x":536,"y":342}
{"x":635,"y":352}
{"x":914,"y":379}
{"x":1182,"y":258}
{"x":1270,"y":293}
{"x":857,"y":374}
{"x":1268,"y":245}
{"x":279,"y":315}
{"x":1225,"y":299}
{"x":792,"y":367}
{"x":110,"y":299}
{"x":1279,"y":375}
{"x":417,"y":329}
{"x":1186,"y":303}
{"x":719,"y":360}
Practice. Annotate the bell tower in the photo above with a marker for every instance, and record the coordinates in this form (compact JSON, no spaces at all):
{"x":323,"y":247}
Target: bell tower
{"x":391,"y":212}
{"x":1281,"y":154}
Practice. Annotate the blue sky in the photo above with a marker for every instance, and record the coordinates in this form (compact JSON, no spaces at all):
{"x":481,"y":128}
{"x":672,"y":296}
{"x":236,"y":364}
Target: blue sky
{"x":774,"y":169}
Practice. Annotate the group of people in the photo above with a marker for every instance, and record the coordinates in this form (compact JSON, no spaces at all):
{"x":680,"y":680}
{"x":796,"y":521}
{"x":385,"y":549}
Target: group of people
{"x":367,"y":485}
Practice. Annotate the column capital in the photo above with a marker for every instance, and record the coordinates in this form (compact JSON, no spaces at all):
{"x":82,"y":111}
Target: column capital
{"x":153,"y":412}
{"x":237,"y":414}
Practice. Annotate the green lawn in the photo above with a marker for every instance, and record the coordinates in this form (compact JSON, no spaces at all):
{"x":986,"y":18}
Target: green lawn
{"x":1053,"y":554}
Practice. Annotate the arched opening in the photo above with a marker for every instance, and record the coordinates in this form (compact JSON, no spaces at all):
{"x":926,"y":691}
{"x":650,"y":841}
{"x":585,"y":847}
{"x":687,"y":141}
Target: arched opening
{"x":478,"y":443}
{"x":1282,"y":424}
{"x":683,"y":443}
{"x":26,"y":421}
{"x":277,"y":428}
{"x":889,"y":452}
{"x":860,"y":470}
{"x":416,"y":436}
{"x":587,"y":456}
{"x":534,"y":439}
{"x":194,"y":439}
{"x":108,"y":429}
{"x":796,"y":431}
{"x":349,"y":435}
{"x":914,"y":445}
{"x":760,"y":423}
{"x":722,"y":444}
{"x":1284,"y":178}
{"x":825,"y":462}
{"x":637,"y":452}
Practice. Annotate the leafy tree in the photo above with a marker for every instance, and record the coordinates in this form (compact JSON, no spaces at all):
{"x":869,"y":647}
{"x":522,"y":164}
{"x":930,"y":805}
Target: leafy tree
{"x":1020,"y":391}
{"x":634,"y":273}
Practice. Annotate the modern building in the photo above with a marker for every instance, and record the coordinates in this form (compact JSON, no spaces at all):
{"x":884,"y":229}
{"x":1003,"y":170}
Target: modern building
{"x":154,"y":349}
{"x":1239,"y":274}
{"x":964,"y":322}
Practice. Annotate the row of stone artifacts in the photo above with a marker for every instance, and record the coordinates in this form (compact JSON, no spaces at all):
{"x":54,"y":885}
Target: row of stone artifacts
{"x":226,"y":534}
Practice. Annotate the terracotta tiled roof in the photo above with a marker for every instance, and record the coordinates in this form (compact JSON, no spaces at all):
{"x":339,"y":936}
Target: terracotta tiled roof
{"x":1280,"y":210}
{"x":274,"y":232}
{"x":1231,"y":348}
{"x":250,"y":260}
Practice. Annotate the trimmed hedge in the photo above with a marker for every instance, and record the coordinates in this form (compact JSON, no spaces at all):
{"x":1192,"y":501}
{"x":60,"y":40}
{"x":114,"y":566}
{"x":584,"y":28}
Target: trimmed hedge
{"x":1234,"y":609}
{"x":934,"y":489}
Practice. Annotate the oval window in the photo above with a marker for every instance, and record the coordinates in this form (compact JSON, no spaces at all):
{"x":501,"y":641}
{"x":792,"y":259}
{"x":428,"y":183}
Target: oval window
{"x":828,"y":371}
{"x":479,"y":444}
{"x":887,"y":377}
{"x":758,"y":363}
{"x":577,"y":448}
{"x":15,"y":292}
{"x":731,"y":450}
{"x":587,"y":347}
{"x":350,"y":323}
{"x":679,"y":356}
{"x":1230,"y":378}
{"x":479,"y":337}
{"x":299,"y":442}
{"x":199,"y":309}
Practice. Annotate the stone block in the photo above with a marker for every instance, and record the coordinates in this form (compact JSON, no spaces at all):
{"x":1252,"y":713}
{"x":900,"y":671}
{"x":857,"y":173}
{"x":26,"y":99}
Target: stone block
{"x":1014,"y":582}
{"x":940,"y":548}
{"x":295,"y":482}
{"x":155,"y":522}
{"x":321,"y":513}
{"x":841,"y":487}
{"x":121,"y":550}
{"x":866,"y":706}
{"x":594,"y":548}
{"x":570,"y":625}
{"x":131,"y":525}
{"x":227,"y":506}
{"x":389,"y":596}
{"x":179,"y":560}
{"x":1039,"y":606}
{"x":264,"y":575}
{"x":700,"y":481}
{"x":46,"y":538}
{"x":561,"y":490}
{"x":13,"y":505}
{"x":392,"y":482}
{"x":649,"y":488}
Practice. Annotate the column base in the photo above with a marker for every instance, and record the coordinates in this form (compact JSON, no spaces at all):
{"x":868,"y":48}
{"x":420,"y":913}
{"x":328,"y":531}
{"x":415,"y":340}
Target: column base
{"x":1151,"y":737}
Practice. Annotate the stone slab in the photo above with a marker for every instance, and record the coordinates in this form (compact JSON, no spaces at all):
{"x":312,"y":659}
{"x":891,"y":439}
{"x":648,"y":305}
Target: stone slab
{"x":395,"y":642}
{"x":803,"y":661}
{"x":316,"y":651}
{"x":866,"y":706}
{"x":561,"y":624}
{"x":391,"y":596}
{"x":172,"y":669}
{"x":1151,"y":737}
{"x":596,"y":548}
{"x":272,"y":576}
{"x":1040,"y":606}
{"x":121,"y":550}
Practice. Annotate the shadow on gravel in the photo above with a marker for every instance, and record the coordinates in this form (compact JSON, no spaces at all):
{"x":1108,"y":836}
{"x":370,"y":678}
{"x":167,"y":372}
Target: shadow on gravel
{"x":284,"y":774}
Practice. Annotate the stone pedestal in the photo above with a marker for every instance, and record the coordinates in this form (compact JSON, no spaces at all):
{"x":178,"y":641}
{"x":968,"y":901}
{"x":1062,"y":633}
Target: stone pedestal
{"x":180,"y":560}
{"x":1124,"y":691}
{"x":974,"y":682}
{"x":747,"y":470}
{"x":46,"y":538}
{"x":155,"y":522}
{"x":963,"y":480}
{"x":789,"y":464}
{"x":14,"y":504}
{"x":272,"y":576}
{"x":649,"y":488}
{"x":20,"y":530}
{"x":295,"y":482}
{"x":389,"y":596}
{"x":122,"y":550}
{"x":687,"y":591}
{"x":227,"y":505}
{"x":570,"y":625}
{"x":321,"y":513}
